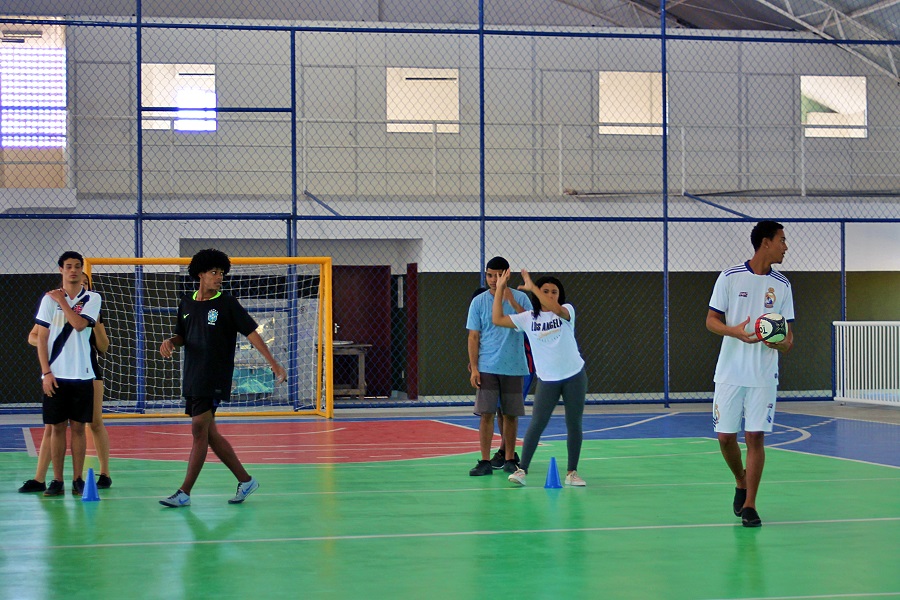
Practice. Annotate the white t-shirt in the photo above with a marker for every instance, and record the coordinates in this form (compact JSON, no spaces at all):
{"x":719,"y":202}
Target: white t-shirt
{"x":740,"y":293}
{"x":553,"y":345}
{"x":69,"y":350}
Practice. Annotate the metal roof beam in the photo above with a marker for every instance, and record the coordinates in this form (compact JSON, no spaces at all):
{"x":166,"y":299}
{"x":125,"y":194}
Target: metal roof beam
{"x":838,"y":16}
{"x":860,"y":12}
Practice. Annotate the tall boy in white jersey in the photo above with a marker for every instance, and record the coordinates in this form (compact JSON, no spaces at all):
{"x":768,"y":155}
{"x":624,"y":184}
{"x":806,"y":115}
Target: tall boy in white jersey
{"x":64,"y":321}
{"x":747,"y":371}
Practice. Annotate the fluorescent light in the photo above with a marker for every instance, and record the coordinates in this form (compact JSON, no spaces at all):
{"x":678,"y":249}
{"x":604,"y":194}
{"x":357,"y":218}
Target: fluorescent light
{"x":14,"y":35}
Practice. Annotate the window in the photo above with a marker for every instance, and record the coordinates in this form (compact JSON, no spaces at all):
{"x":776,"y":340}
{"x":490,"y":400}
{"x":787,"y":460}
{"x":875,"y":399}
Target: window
{"x":833,"y":107}
{"x":630,"y":103}
{"x":418,"y":100}
{"x":191,"y":88}
{"x":33,"y":86}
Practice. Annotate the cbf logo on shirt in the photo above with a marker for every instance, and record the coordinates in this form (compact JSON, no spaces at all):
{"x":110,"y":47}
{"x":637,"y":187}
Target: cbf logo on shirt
{"x":212,"y":316}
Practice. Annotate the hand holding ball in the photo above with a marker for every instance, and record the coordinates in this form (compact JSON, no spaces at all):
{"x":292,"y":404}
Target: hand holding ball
{"x":771,"y":328}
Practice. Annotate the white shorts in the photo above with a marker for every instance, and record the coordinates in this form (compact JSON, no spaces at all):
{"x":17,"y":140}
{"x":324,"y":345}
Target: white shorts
{"x":755,"y":404}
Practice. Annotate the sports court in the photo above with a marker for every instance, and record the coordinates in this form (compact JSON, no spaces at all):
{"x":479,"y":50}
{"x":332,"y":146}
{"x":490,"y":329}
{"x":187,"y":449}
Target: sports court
{"x":382,"y":507}
{"x":361,"y":161}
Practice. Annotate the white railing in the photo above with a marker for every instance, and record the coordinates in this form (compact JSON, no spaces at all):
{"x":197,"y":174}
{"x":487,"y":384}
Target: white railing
{"x":357,"y":157}
{"x":867,"y":361}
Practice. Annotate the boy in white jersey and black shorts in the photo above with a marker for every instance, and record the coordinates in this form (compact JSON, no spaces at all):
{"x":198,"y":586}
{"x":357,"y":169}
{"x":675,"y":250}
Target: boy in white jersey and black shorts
{"x":746,"y":378}
{"x":64,"y":319}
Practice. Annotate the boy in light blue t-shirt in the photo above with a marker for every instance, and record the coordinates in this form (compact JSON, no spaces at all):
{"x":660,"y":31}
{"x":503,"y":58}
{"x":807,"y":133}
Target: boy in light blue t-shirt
{"x":497,"y":367}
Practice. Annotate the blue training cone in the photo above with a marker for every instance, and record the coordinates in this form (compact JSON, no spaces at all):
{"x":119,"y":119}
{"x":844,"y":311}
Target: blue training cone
{"x":552,"y":482}
{"x":90,"y":489}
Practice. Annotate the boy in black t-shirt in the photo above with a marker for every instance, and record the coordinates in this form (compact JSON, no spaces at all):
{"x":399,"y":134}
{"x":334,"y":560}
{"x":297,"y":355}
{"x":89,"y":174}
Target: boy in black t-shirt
{"x":207,"y":326}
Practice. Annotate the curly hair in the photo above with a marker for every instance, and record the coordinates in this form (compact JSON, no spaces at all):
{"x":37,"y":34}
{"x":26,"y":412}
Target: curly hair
{"x":207,"y":260}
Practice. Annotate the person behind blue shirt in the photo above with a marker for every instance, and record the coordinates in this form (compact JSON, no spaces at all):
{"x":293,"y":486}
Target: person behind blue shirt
{"x":497,"y":366}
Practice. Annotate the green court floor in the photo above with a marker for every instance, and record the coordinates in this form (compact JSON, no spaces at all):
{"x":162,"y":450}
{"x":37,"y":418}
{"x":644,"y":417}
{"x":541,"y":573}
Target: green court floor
{"x":654,"y":522}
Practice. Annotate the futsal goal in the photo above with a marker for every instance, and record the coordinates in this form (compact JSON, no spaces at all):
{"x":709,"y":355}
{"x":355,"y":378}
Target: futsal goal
{"x":289,"y":298}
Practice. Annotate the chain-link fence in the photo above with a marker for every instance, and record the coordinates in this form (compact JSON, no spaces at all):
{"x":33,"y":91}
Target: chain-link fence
{"x":411,"y":141}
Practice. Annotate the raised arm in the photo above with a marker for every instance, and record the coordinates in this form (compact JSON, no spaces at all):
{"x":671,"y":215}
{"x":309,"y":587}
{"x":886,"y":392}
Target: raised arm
{"x":509,"y":297}
{"x":497,"y":316}
{"x":548,"y":302}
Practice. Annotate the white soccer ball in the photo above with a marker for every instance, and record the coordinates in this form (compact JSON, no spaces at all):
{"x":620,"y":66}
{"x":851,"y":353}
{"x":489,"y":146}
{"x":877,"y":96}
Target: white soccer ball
{"x":771,"y":327}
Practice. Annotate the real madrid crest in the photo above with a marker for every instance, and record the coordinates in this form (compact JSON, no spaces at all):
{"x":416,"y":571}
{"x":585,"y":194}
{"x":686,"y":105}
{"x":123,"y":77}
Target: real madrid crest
{"x":213,"y":315}
{"x":770,"y":298}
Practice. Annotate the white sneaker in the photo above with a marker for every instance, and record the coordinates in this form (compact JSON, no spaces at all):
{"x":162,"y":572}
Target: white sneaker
{"x":518,"y":477}
{"x":176,"y":500}
{"x":573,"y":479}
{"x":244,"y":490}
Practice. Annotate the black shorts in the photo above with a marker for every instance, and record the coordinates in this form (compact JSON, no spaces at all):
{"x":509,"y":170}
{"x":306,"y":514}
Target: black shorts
{"x":194,"y":406}
{"x":73,"y":400}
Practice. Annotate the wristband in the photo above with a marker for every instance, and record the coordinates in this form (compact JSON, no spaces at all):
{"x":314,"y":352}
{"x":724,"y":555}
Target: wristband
{"x":47,"y":373}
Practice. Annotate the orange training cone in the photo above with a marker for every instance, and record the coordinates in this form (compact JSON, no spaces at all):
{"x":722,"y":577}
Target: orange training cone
{"x":90,"y":489}
{"x":552,"y":476}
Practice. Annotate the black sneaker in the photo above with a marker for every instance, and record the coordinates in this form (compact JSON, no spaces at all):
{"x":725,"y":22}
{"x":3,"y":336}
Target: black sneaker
{"x":740,"y":496}
{"x":510,"y":466}
{"x":56,"y":488}
{"x":498,"y":459}
{"x":32,"y":485}
{"x":104,"y":482}
{"x":78,"y":487}
{"x":482,"y":468}
{"x":750,"y":518}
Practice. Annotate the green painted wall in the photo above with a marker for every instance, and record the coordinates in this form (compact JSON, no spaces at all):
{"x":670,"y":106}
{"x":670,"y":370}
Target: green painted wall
{"x":620,"y":324}
{"x":873,"y":296}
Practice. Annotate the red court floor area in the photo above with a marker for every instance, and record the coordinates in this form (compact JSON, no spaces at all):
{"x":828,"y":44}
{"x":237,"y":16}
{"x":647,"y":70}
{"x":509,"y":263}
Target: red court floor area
{"x":295,"y":442}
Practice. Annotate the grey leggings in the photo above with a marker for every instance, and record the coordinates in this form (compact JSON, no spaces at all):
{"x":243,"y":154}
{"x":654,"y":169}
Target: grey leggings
{"x":546,"y":397}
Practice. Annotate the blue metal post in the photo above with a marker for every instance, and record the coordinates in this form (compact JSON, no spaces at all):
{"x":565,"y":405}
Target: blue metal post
{"x":481,"y":161}
{"x":140,"y":353}
{"x":665,"y":194}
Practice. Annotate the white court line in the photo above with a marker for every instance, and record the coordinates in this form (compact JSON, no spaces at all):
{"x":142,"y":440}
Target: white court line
{"x":638,"y":456}
{"x":478,"y":490}
{"x":859,"y":595}
{"x":234,"y":435}
{"x":804,"y":435}
{"x":29,"y":441}
{"x":396,"y":536}
{"x":854,"y":460}
{"x":349,"y":445}
{"x":641,"y":422}
{"x":460,"y":425}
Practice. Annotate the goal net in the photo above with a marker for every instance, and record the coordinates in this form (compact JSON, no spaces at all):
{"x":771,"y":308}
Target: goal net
{"x":289,"y":298}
